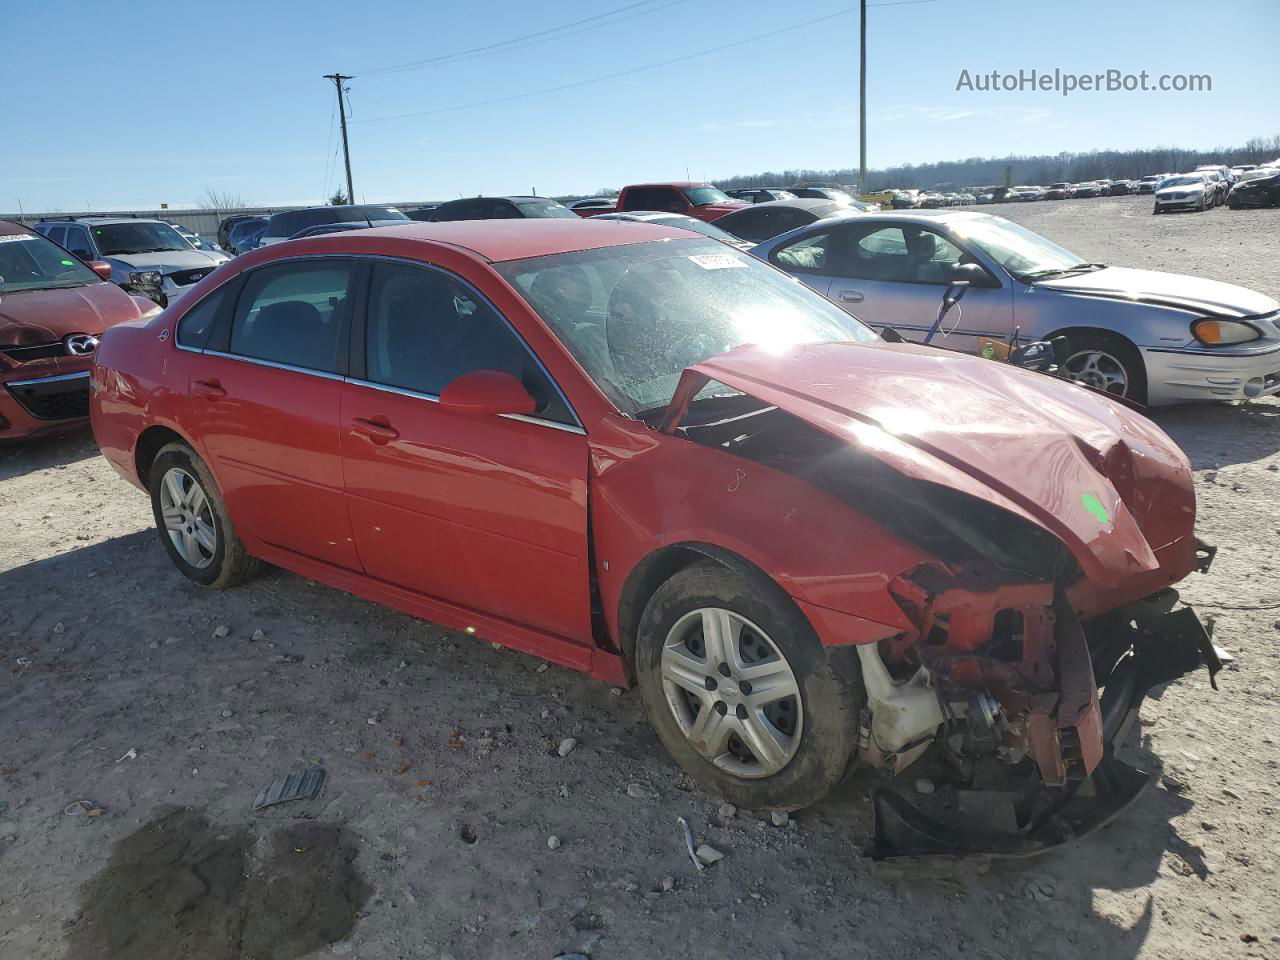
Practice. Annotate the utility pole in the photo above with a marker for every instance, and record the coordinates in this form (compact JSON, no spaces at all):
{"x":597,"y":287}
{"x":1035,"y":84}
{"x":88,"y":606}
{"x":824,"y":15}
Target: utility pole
{"x":862,"y":101}
{"x":338,"y":79}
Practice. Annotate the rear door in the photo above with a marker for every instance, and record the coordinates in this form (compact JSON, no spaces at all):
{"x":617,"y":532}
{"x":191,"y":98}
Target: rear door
{"x":265,"y":395}
{"x":895,"y":273}
{"x":486,"y":512}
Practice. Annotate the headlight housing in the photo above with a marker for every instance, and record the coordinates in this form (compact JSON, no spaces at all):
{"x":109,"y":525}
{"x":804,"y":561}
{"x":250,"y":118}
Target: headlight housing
{"x":1223,"y":333}
{"x":146,"y":278}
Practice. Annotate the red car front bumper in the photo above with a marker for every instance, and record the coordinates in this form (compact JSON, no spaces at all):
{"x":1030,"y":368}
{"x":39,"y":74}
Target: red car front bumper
{"x":46,"y":399}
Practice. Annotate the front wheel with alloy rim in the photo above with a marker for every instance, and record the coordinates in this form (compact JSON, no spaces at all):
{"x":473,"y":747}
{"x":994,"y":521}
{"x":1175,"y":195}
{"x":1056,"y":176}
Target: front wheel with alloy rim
{"x":1105,"y":363}
{"x":742,"y":693}
{"x":193,"y":522}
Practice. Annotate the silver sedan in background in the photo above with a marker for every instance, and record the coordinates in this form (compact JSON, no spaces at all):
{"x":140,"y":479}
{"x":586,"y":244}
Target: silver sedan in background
{"x":1155,"y":338}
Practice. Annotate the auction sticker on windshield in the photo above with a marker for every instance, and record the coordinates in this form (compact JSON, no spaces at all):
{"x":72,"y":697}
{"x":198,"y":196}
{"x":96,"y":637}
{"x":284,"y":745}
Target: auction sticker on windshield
{"x":11,"y":237}
{"x":716,"y":261}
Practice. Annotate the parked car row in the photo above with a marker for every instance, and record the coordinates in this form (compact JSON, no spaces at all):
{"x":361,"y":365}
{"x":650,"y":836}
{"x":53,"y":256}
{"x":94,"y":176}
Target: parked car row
{"x":1220,"y":180}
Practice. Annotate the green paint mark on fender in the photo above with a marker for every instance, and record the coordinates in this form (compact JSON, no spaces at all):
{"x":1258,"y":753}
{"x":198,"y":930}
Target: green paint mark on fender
{"x":1095,"y":507}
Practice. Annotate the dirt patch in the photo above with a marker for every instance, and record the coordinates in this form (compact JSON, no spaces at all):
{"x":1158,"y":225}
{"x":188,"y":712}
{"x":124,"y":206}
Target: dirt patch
{"x":182,"y":887}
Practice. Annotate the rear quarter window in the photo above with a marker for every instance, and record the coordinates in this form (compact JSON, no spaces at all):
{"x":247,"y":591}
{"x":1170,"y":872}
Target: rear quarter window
{"x":197,"y":323}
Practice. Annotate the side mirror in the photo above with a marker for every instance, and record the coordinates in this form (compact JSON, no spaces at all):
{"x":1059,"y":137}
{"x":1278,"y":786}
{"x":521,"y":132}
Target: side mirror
{"x":1037,"y":355}
{"x":969,"y":273}
{"x":954,"y":293}
{"x":487,"y":392}
{"x":890,"y":335}
{"x":100,"y":267}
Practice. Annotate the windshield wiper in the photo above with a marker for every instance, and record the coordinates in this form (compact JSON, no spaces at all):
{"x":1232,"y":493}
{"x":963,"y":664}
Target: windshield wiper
{"x":1060,"y":271}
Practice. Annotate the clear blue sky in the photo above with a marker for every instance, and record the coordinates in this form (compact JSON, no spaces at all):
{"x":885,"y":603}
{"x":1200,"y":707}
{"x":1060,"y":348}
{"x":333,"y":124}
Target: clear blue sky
{"x":120,"y":106}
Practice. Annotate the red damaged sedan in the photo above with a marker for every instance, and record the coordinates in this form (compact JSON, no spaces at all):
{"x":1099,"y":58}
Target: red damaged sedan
{"x":636,"y":452}
{"x":53,"y":309}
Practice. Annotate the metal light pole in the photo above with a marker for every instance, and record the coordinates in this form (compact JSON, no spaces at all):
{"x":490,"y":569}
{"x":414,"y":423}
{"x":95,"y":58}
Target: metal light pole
{"x":338,"y":79}
{"x":862,"y":100}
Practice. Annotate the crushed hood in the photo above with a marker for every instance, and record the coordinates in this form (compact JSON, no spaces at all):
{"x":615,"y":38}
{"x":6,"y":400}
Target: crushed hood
{"x":1103,"y":479}
{"x":1198,"y":296}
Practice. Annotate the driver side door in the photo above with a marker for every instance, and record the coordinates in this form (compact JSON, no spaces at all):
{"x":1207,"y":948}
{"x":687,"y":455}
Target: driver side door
{"x":893,"y":274}
{"x":487,"y":512}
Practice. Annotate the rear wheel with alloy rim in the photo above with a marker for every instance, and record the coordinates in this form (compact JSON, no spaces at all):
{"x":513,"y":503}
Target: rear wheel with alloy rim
{"x":1105,"y":363}
{"x":742,"y":693}
{"x":193,"y":522}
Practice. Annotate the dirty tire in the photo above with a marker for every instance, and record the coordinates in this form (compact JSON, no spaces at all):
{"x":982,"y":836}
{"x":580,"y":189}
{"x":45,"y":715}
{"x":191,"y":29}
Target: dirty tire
{"x":231,"y":564}
{"x":1122,"y":350}
{"x":831,"y":698}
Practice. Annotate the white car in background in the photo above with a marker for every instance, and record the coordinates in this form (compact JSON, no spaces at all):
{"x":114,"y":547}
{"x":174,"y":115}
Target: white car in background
{"x":1185,"y":191}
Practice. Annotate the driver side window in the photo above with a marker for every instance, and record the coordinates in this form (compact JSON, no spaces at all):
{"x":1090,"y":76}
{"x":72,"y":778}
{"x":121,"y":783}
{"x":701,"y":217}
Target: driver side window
{"x":426,"y":329}
{"x":901,"y":254}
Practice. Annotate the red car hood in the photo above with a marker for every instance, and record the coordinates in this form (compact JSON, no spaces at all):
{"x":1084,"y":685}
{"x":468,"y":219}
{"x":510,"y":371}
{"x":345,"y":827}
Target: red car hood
{"x":1103,"y":479}
{"x":42,"y":316}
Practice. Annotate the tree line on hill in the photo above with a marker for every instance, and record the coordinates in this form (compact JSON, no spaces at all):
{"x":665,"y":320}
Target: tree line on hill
{"x":1012,"y":170}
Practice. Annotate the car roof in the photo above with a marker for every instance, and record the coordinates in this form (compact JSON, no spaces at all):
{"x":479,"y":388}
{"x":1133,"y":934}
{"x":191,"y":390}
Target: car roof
{"x":500,"y":240}
{"x":101,"y":221}
{"x":9,"y":228}
{"x":799,"y":203}
{"x":672,"y":183}
{"x":640,"y":216}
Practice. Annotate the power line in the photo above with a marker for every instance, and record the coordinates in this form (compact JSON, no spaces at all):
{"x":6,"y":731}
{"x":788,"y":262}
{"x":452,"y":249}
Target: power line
{"x":611,"y":76}
{"x":494,"y":47}
{"x":635,"y":70}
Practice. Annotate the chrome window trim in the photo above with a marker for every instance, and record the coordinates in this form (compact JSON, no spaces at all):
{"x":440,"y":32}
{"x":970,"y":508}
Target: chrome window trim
{"x":433,"y":398}
{"x":322,"y":374}
{"x":83,"y":375}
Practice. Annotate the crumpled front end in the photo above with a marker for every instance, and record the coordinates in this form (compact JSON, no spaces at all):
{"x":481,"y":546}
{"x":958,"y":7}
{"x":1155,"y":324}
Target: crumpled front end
{"x":1020,"y":707}
{"x":1054,"y":523}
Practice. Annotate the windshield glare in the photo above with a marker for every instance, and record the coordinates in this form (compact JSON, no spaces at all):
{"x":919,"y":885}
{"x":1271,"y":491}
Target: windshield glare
{"x":1014,"y":247}
{"x":122,"y":239}
{"x":1181,"y":182}
{"x":635,"y":316}
{"x":701,"y":196}
{"x":31,"y":262}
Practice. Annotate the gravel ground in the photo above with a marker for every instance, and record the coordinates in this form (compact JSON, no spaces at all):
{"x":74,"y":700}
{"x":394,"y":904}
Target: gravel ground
{"x":432,"y":838}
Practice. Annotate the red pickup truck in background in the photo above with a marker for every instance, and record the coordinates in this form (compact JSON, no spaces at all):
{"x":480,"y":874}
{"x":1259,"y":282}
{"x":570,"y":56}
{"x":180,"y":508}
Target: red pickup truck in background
{"x":700,"y":200}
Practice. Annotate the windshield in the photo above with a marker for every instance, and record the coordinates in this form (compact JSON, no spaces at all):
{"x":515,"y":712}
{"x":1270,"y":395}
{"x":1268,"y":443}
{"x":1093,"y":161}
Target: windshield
{"x":123,"y":239}
{"x":1257,"y":174}
{"x":634,"y":316}
{"x":1024,"y":254}
{"x":1181,"y":182}
{"x":545,"y":208}
{"x":701,"y":196}
{"x":28,"y":261}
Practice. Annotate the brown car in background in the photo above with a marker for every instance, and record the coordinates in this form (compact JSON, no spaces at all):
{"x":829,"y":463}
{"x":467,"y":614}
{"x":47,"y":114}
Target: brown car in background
{"x":53,"y":309}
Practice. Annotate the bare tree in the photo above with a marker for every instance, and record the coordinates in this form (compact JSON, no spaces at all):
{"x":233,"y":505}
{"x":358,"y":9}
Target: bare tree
{"x":221,"y":200}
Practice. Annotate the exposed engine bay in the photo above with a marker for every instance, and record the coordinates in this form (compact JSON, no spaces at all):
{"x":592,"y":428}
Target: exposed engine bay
{"x":1016,"y":692}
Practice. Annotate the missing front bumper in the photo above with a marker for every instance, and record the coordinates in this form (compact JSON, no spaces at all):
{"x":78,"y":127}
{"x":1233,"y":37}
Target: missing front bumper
{"x":1160,"y":645}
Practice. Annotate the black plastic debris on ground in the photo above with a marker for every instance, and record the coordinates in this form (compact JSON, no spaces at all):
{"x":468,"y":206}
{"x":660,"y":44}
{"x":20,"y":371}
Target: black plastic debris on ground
{"x":299,"y":785}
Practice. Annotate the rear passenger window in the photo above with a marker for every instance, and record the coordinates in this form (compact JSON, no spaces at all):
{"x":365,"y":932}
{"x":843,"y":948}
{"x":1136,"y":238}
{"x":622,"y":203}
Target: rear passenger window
{"x":196,"y":323}
{"x":426,"y":329}
{"x":295,"y":314}
{"x":809,"y":254}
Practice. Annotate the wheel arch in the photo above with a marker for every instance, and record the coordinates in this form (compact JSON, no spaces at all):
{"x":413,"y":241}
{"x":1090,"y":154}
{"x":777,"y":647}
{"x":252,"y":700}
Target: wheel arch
{"x":655,"y":568}
{"x":150,"y":442}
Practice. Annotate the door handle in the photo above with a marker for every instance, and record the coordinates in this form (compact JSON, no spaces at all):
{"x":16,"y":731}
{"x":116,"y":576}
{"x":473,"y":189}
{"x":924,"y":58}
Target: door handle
{"x":379,"y":429}
{"x":850,"y":296}
{"x":210,"y":389}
